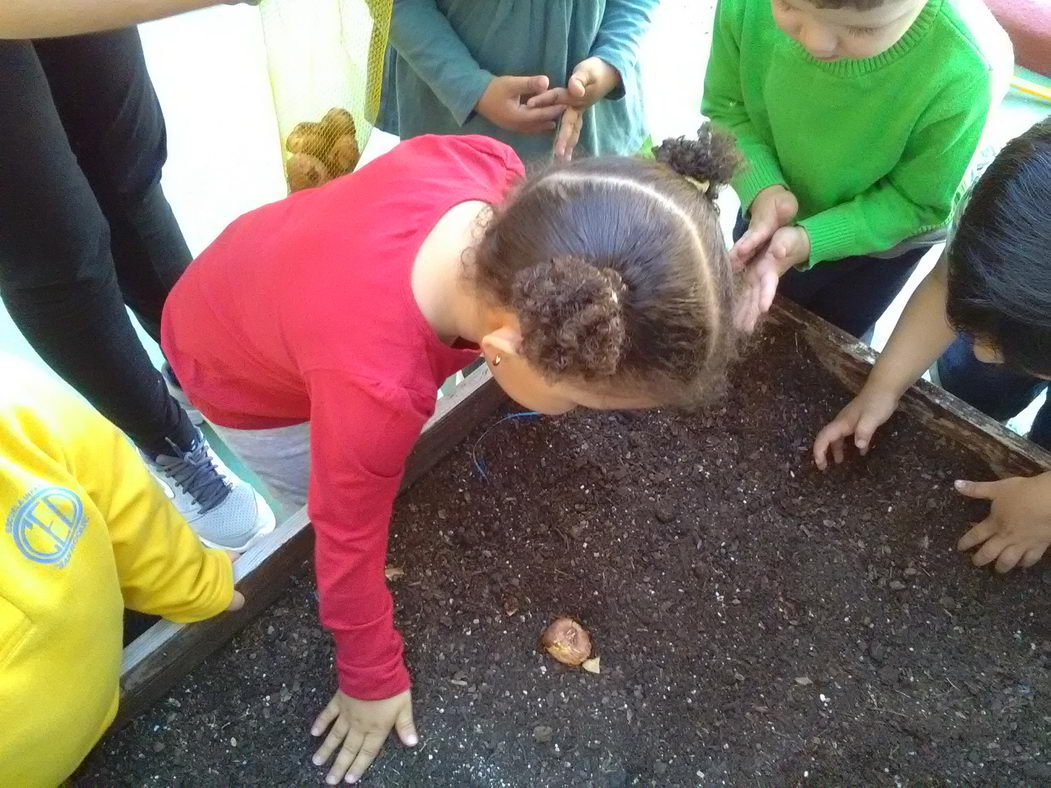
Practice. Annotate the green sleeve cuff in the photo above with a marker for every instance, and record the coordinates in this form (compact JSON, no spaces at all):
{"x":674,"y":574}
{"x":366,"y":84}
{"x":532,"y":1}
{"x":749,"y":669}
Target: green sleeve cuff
{"x":461,"y":95}
{"x":760,"y":170}
{"x":832,"y":236}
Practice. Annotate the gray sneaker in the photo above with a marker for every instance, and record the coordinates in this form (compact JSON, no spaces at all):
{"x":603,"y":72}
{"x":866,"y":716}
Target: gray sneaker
{"x":196,"y":417}
{"x":223,"y":509}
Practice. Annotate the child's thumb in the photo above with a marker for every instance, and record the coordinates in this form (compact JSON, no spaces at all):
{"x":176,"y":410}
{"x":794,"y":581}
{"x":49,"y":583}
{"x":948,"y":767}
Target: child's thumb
{"x":405,"y":727}
{"x":237,"y":602}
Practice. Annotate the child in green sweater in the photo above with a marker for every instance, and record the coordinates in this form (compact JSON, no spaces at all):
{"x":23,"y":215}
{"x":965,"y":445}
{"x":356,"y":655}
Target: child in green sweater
{"x":858,"y":120}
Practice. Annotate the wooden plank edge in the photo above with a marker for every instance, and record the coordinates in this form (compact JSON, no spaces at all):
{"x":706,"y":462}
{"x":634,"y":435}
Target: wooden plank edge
{"x":850,"y":361}
{"x":167,"y":652}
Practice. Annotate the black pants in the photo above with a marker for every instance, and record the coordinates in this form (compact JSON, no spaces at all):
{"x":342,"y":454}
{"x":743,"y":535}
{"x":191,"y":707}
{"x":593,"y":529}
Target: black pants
{"x":851,"y":293}
{"x":84,"y":226}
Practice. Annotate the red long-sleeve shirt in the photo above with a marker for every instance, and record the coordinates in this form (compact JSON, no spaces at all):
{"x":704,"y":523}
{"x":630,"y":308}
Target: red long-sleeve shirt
{"x":303,"y":310}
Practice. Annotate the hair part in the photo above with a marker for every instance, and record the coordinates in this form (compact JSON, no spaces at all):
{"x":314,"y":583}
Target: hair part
{"x":999,"y":257}
{"x":617,"y":270}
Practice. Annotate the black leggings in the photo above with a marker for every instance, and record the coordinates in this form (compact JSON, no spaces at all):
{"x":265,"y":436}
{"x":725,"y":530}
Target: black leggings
{"x":84,"y":226}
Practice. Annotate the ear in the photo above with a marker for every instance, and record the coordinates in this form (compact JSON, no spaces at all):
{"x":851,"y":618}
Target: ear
{"x":505,"y":342}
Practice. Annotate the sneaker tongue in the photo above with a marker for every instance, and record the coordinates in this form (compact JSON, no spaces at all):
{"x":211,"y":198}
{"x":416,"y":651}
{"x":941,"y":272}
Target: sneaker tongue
{"x":195,"y":473}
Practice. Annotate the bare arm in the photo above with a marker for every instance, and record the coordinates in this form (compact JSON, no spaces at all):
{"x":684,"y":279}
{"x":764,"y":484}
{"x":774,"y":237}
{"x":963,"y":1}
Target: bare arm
{"x":22,"y":19}
{"x":919,"y":339}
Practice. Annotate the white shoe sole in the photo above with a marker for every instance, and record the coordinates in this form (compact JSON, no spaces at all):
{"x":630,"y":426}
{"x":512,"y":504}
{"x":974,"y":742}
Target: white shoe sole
{"x":269,"y":523}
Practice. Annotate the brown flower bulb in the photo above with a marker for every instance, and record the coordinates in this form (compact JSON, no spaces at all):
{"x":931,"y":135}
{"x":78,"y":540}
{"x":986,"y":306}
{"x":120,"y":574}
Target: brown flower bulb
{"x":305,"y":171}
{"x":338,"y":122}
{"x":567,"y":641}
{"x":343,"y":156}
{"x":309,"y":138}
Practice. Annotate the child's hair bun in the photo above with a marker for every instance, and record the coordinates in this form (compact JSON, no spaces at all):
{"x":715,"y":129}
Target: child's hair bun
{"x":571,"y":314}
{"x":711,"y":159}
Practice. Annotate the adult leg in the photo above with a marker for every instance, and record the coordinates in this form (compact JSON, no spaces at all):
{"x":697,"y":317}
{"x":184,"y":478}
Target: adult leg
{"x":115,"y":127}
{"x":57,"y":275}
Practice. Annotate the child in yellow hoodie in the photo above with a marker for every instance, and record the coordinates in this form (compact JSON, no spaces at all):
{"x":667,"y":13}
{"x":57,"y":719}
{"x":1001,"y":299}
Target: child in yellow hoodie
{"x":84,"y":533}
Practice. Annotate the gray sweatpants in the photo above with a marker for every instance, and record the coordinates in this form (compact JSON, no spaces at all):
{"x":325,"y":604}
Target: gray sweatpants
{"x":280,"y":457}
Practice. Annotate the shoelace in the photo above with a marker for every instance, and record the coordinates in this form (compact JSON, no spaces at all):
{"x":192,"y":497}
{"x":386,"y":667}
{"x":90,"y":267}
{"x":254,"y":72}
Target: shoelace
{"x":198,"y":476}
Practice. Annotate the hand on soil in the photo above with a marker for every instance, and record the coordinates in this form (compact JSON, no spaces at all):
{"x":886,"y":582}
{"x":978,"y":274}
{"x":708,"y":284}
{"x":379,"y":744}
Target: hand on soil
{"x":866,"y":413}
{"x":358,"y":730}
{"x":1017,"y":531}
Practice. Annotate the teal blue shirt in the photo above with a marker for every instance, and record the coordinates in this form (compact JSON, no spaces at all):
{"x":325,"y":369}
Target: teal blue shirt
{"x":444,"y":52}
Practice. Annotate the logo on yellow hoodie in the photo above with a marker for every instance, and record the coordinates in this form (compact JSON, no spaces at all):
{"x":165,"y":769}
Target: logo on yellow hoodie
{"x":46,"y":525}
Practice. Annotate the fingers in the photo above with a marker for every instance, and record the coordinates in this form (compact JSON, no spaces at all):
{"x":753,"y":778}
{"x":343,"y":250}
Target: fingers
{"x":537,"y":121}
{"x":1033,"y":554}
{"x":324,"y":719}
{"x":983,"y":490}
{"x":549,"y":98}
{"x":370,"y":748}
{"x":236,"y":602}
{"x":579,"y":83}
{"x":989,"y":551}
{"x":528,"y":86}
{"x":755,"y":237}
{"x":347,"y":753}
{"x":976,"y":535}
{"x":405,"y":727}
{"x":767,"y":290}
{"x":1009,"y":558}
{"x":569,"y":133}
{"x":864,"y":431}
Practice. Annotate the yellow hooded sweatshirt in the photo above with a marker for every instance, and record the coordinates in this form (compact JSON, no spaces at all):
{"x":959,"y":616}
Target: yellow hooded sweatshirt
{"x":84,"y":532}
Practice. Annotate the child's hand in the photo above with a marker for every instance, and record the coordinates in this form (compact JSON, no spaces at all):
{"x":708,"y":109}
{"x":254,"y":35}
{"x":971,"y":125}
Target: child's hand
{"x":504,"y":104}
{"x":359,"y":728}
{"x":774,"y":207}
{"x":1018,"y":528}
{"x":788,"y":247}
{"x":866,"y":413}
{"x":593,"y":79}
{"x":238,"y":600}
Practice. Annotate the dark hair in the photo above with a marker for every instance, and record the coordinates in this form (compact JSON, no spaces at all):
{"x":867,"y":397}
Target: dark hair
{"x":999,"y":257}
{"x":617,"y":269}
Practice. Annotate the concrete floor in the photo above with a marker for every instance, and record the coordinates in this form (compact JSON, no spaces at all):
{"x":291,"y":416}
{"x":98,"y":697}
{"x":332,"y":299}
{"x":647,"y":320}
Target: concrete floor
{"x":210,"y":70}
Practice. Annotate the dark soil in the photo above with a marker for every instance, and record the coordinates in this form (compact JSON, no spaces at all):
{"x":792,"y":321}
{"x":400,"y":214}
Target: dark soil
{"x":757,"y":621}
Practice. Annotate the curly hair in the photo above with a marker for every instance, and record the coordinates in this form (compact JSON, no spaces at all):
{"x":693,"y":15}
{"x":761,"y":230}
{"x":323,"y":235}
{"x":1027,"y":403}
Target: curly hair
{"x":617,"y":270}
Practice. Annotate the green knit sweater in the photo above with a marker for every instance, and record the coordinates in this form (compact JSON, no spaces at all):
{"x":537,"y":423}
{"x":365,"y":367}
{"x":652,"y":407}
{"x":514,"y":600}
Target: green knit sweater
{"x":875,"y":149}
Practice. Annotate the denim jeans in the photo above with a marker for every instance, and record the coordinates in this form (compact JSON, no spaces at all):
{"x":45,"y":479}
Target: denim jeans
{"x":994,"y":389}
{"x":851,"y":293}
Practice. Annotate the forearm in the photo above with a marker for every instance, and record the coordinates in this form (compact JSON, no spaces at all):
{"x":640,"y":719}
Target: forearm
{"x":919,"y":339}
{"x":421,"y":34}
{"x":22,"y":19}
{"x":624,"y":24}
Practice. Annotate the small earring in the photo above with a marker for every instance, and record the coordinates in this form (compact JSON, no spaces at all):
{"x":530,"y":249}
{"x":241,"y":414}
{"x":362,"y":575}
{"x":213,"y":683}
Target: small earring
{"x":496,"y":360}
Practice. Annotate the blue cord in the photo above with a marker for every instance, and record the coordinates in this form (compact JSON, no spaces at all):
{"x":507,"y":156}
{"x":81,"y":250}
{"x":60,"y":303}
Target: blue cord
{"x":478,"y":464}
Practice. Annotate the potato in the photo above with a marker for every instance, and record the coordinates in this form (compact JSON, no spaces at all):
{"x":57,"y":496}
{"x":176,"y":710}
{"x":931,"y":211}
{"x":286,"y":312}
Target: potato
{"x":338,"y":122}
{"x":309,"y":138}
{"x":343,"y":156}
{"x":305,"y":172}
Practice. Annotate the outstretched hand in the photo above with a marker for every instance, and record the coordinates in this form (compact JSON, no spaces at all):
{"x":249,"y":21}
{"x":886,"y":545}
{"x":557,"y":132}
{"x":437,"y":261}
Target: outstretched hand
{"x":357,"y":730}
{"x":1017,"y":531}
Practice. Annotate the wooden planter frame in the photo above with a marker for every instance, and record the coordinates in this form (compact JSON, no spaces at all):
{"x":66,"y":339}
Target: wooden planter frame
{"x":167,"y":652}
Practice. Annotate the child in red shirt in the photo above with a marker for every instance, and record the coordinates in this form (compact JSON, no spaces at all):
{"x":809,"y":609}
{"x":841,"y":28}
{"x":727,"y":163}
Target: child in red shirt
{"x":316,"y":331}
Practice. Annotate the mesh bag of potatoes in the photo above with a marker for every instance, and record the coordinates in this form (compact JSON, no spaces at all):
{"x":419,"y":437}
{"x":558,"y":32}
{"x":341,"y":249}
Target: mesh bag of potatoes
{"x":326,"y":69}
